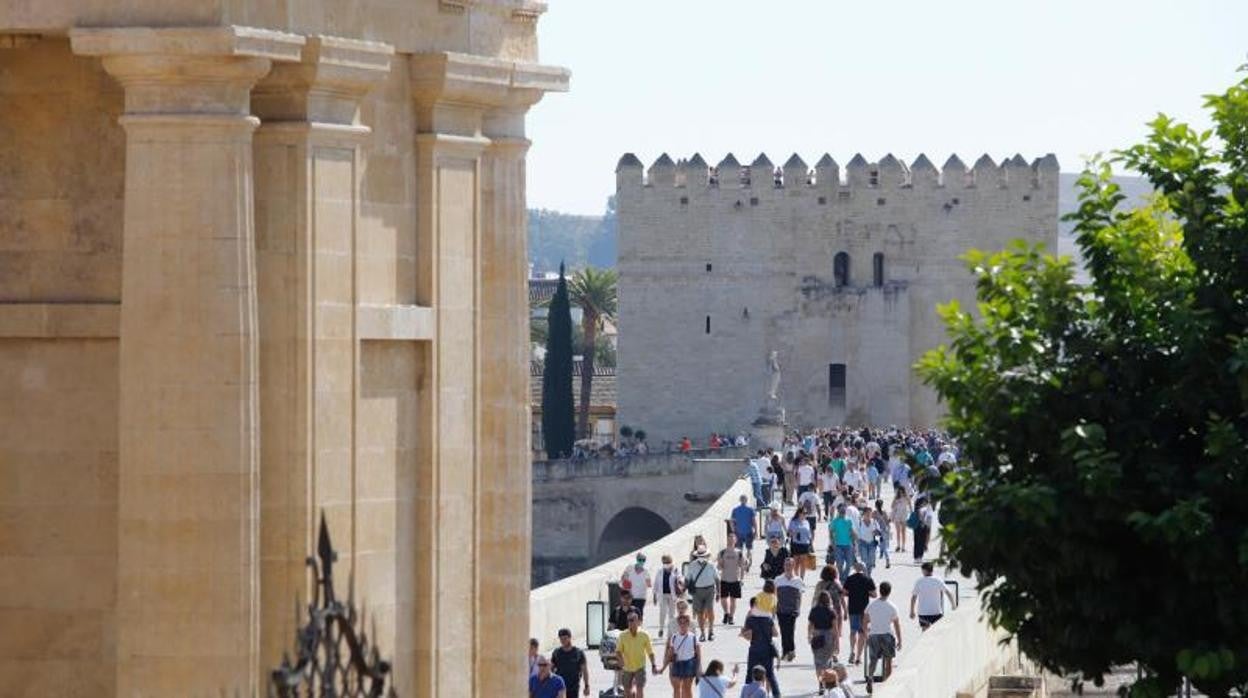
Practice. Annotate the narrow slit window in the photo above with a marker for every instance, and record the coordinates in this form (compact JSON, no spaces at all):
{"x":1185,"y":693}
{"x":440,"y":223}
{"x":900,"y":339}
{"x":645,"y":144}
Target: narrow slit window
{"x":877,"y":269}
{"x":840,"y":270}
{"x":708,"y":324}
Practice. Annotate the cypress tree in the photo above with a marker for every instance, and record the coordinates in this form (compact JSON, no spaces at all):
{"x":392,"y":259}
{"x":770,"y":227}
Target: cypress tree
{"x":558,"y":423}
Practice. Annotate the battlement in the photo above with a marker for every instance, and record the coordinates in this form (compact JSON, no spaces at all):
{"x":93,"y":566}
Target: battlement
{"x":885,"y":174}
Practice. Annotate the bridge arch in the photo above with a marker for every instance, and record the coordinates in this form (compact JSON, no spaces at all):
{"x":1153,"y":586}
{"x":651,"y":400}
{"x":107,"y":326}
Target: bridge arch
{"x":629,"y":529}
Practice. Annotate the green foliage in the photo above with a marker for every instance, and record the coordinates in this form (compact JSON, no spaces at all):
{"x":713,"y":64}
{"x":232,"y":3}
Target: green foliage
{"x":1103,"y":512}
{"x":555,"y":237}
{"x":557,"y":418}
{"x":594,"y":291}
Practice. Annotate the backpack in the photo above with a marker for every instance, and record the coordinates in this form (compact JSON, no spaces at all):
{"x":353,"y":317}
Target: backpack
{"x":913,"y":520}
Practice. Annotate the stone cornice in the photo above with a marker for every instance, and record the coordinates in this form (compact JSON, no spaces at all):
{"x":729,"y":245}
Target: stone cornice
{"x":327,"y":84}
{"x":466,"y":79}
{"x":187,"y":41}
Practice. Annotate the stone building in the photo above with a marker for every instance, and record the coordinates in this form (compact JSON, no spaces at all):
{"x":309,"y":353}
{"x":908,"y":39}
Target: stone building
{"x":250,"y":256}
{"x":720,"y":267}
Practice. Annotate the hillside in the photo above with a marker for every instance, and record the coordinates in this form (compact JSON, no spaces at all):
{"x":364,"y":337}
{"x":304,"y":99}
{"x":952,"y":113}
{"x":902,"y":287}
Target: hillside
{"x":577,"y":240}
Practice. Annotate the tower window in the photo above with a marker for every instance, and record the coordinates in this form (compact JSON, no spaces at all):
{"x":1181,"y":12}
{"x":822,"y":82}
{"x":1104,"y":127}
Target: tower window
{"x":840,"y":269}
{"x":877,"y":269}
{"x":708,"y":324}
{"x":708,"y":266}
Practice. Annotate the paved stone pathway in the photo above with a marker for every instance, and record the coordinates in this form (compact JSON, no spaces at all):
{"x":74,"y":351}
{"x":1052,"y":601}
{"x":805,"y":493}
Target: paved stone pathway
{"x":797,"y":678}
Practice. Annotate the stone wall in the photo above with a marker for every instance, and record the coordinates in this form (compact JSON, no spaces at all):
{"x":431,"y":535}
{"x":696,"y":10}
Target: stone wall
{"x":714,"y":276}
{"x":575,"y":501}
{"x":562,"y":603}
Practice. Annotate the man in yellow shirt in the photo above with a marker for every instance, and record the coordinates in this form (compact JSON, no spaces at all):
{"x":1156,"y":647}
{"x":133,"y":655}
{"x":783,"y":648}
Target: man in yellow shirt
{"x":634,"y":647}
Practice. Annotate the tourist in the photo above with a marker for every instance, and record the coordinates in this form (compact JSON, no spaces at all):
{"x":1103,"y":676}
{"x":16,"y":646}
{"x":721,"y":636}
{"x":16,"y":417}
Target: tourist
{"x":805,"y":476}
{"x":821,"y":627}
{"x":703,"y":584}
{"x":808,"y":503}
{"x":683,"y":654}
{"x":866,"y":533}
{"x":789,"y":590}
{"x":921,"y":517}
{"x":685,"y":444}
{"x":841,"y":531}
{"x":773,"y":559}
{"x":619,"y":615}
{"x":759,"y":629}
{"x":668,"y":586}
{"x":760,"y":678}
{"x":699,"y":541}
{"x":775,"y":527}
{"x":636,"y":580}
{"x":568,"y":661}
{"x":900,"y":514}
{"x":830,"y":584}
{"x":883,"y":630}
{"x":772,"y":485}
{"x":533,"y":656}
{"x":882,"y":532}
{"x":544,"y":684}
{"x":858,"y":592}
{"x":829,"y":485}
{"x":929,"y":596}
{"x":713,"y":684}
{"x":732,"y":566}
{"x":800,"y":538}
{"x":899,"y":472}
{"x":743,"y":523}
{"x":634,"y":648}
{"x":755,"y":475}
{"x":765,"y":600}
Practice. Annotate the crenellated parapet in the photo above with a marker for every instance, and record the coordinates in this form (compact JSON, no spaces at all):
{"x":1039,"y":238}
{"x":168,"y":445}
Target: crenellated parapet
{"x":887,"y":173}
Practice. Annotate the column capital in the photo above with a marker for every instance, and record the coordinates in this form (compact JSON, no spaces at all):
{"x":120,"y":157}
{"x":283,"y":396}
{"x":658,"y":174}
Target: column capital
{"x":184,"y":70}
{"x":455,"y":92}
{"x":326,"y":85}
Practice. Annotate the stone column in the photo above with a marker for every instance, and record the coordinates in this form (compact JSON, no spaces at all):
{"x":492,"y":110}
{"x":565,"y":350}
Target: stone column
{"x":307,"y":153}
{"x":188,"y":548}
{"x":475,"y":475}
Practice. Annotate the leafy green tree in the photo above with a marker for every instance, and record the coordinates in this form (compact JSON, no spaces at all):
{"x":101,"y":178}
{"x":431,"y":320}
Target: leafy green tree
{"x":1104,"y":508}
{"x":557,"y":418}
{"x":593,"y":290}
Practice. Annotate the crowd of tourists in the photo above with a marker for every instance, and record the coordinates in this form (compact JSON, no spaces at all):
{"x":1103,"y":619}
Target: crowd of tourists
{"x":837,"y":478}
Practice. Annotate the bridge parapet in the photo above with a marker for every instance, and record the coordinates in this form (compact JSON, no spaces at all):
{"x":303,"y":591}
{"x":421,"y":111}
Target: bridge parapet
{"x":668,"y":463}
{"x":561,"y":604}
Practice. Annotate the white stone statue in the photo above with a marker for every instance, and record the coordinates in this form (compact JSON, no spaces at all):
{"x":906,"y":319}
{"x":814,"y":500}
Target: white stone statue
{"x":773,"y":367}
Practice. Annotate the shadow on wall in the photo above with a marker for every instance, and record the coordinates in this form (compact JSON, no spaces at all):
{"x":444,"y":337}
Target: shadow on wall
{"x":628,"y":530}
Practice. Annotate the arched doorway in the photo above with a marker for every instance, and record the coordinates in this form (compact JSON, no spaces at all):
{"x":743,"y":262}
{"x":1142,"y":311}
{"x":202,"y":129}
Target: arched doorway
{"x":628,"y":530}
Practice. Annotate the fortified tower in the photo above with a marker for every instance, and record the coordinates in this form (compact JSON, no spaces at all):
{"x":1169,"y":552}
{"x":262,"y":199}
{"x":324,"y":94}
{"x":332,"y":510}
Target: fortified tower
{"x":838,"y":272}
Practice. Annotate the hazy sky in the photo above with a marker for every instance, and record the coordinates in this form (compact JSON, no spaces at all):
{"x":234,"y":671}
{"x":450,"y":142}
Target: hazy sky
{"x":1071,"y":77}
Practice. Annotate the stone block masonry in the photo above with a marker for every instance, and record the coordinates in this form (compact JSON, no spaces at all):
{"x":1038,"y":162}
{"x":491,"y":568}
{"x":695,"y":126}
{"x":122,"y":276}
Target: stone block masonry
{"x":841,"y":276}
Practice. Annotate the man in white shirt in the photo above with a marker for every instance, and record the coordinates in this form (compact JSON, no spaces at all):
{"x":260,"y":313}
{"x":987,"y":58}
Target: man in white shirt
{"x":805,"y":477}
{"x":929,"y":597}
{"x":882,"y":625}
{"x":637,"y":580}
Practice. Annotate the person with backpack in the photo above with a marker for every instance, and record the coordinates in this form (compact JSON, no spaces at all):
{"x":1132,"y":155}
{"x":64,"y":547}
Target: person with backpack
{"x":920,"y":522}
{"x":568,"y":662}
{"x":759,"y":629}
{"x":684,"y":655}
{"x":703,"y":584}
{"x":668,"y":587}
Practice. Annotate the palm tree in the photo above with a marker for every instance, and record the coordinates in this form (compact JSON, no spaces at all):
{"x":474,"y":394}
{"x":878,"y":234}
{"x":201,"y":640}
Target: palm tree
{"x":593,"y":290}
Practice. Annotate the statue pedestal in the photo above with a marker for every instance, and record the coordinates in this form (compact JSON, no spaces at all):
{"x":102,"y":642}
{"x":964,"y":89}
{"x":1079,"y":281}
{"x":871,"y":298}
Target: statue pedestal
{"x":768,"y":427}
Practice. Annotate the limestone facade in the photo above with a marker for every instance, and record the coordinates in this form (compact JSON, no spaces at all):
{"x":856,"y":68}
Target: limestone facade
{"x":718,"y":268}
{"x":260,"y":262}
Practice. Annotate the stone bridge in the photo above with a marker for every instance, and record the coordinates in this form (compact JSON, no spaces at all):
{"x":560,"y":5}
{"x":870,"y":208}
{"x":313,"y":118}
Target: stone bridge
{"x":586,"y":512}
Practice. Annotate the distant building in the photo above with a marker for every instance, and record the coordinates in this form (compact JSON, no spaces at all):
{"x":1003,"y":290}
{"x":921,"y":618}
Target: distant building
{"x":719,"y":267}
{"x":601,"y":405}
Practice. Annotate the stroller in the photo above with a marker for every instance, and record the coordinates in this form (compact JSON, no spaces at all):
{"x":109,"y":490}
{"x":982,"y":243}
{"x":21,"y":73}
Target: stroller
{"x":608,"y":652}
